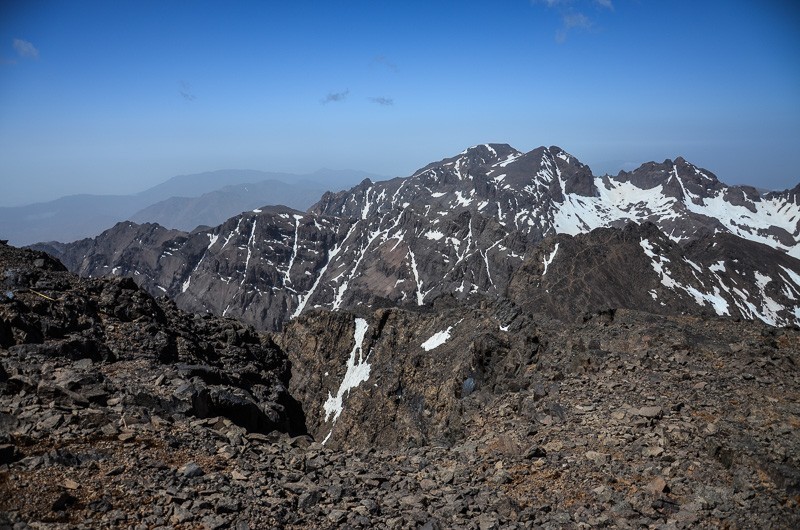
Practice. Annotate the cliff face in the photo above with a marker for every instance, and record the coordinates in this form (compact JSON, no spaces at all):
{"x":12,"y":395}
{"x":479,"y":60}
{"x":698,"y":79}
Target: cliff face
{"x":406,"y":375}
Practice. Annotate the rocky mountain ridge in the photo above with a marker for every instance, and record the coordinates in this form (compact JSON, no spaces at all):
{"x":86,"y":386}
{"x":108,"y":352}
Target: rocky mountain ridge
{"x":548,"y":191}
{"x":491,"y":220}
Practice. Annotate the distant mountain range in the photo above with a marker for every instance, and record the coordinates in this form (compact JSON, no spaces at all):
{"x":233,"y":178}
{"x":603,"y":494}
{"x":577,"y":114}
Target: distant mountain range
{"x":537,"y":228}
{"x":183,"y":202}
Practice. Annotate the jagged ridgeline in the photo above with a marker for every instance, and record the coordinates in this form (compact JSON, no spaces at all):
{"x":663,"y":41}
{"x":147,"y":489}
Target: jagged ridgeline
{"x":490,"y":221}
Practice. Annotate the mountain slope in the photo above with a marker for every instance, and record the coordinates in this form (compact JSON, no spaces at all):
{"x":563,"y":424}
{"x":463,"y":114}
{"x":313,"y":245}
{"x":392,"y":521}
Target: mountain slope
{"x":482,"y":222}
{"x":268,"y":266}
{"x":548,"y":191}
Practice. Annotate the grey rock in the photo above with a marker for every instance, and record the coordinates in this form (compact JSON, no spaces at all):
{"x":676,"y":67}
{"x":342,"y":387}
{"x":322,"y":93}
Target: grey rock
{"x":191,"y":470}
{"x":650,"y":412}
{"x":337,"y":516}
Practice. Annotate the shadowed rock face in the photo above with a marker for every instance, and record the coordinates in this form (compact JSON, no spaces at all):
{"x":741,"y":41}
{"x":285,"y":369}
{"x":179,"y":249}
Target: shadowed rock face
{"x":421,"y":367}
{"x":98,"y":340}
{"x":268,"y":267}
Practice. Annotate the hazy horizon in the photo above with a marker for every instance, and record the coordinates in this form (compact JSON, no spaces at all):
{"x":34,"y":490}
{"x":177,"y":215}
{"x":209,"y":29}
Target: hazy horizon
{"x":116,"y":98}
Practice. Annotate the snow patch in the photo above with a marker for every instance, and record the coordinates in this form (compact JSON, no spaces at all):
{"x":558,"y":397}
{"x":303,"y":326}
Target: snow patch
{"x":367,"y":204}
{"x":509,"y":159}
{"x":287,"y":277}
{"x":769,"y":306}
{"x":715,"y":300}
{"x":420,"y":294}
{"x":434,"y":235}
{"x":694,"y":265}
{"x":718,"y":266}
{"x":793,"y":275}
{"x":249,"y":250}
{"x":356,"y":373}
{"x":549,"y":259}
{"x":212,"y":238}
{"x":461,"y":200}
{"x":332,"y":254}
{"x":438,"y":338}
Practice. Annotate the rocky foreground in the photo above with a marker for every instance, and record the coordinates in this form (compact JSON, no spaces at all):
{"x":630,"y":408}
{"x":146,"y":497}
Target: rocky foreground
{"x":119,"y":410}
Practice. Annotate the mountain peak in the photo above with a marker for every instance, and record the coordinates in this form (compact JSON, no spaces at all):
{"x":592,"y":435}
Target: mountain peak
{"x":490,"y":147}
{"x":556,"y":150}
{"x":485,"y":154}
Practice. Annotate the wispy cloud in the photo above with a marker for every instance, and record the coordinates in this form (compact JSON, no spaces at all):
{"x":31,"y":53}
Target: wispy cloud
{"x":335,"y":97}
{"x":25,"y":49}
{"x":386,"y":102}
{"x":384,"y":61}
{"x":185,"y":91}
{"x":572,"y":21}
{"x":572,"y":14}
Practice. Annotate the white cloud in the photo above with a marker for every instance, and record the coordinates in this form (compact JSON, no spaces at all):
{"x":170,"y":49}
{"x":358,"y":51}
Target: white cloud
{"x":572,"y":20}
{"x":576,"y":20}
{"x":26,"y":49}
{"x":572,"y":13}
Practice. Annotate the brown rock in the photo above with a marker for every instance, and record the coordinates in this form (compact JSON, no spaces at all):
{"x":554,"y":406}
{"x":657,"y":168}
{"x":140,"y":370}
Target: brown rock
{"x":657,"y":485}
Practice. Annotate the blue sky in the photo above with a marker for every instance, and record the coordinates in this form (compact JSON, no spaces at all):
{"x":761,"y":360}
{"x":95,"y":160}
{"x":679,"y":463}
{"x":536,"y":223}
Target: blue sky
{"x":117,"y":96}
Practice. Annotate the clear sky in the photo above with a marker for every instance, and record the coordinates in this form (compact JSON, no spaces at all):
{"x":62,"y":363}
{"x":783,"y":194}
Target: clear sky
{"x":117,"y":96}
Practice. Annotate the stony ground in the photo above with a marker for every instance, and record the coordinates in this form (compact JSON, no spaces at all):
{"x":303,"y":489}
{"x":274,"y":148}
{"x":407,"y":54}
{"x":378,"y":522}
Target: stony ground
{"x":624,"y":420}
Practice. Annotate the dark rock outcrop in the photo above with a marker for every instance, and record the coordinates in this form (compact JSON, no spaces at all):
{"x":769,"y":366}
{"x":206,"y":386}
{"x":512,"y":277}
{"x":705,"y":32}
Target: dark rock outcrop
{"x":83,"y":342}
